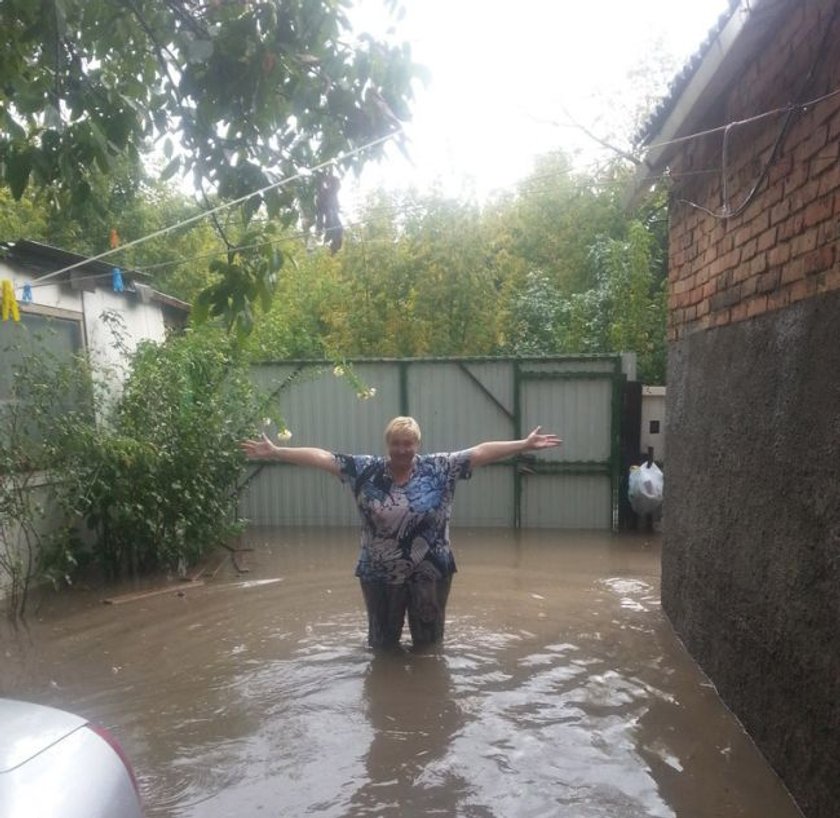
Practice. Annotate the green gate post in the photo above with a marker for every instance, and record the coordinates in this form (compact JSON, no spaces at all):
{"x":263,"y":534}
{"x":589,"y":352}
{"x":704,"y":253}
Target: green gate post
{"x":615,"y":449}
{"x":404,"y":407}
{"x":517,"y":434}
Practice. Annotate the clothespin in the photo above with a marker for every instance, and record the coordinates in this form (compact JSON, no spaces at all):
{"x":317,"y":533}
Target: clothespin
{"x":114,"y":238}
{"x":117,"y":280}
{"x":27,"y":294}
{"x":10,"y":305}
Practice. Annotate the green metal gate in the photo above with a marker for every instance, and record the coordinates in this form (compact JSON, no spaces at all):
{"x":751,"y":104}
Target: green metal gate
{"x":458,"y":403}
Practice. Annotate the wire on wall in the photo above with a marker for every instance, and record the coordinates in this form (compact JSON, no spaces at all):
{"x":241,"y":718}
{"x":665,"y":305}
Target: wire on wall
{"x":727,"y":212}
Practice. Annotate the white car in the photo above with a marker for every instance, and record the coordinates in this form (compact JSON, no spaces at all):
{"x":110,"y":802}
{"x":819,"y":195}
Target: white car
{"x":57,"y":765}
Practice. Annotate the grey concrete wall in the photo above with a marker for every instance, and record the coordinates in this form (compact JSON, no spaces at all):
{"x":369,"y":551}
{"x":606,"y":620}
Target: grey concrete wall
{"x":751,"y":562}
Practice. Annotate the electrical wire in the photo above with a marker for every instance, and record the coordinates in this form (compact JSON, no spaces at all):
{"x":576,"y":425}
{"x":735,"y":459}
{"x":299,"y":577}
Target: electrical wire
{"x":237,"y":248}
{"x":224,"y":206}
{"x":392,"y":210}
{"x":783,"y":131}
{"x":737,"y":123}
{"x":726,"y":212}
{"x":529,"y":185}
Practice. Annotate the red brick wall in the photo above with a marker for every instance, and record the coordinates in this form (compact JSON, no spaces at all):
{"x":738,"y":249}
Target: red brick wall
{"x":783,"y":247}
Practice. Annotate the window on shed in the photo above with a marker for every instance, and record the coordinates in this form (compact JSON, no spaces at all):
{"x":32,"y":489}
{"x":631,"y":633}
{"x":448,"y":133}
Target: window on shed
{"x":42,"y":346}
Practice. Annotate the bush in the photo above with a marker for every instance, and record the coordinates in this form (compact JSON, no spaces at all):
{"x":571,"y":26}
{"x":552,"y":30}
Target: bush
{"x":156,"y":481}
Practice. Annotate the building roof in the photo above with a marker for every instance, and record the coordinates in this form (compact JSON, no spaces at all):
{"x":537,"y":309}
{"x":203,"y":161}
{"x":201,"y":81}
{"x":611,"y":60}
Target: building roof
{"x":679,"y":83}
{"x":731,"y":43}
{"x":44,"y":260}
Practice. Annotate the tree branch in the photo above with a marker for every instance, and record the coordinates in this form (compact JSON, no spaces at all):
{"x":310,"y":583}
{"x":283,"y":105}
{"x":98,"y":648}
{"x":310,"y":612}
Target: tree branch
{"x":159,"y":49}
{"x":572,"y":122}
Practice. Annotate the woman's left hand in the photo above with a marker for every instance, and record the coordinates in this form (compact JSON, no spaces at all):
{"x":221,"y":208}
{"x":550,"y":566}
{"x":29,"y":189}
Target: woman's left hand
{"x":537,"y":440}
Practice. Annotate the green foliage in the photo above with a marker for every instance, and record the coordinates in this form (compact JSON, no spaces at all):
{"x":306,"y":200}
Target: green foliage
{"x":245,"y":276}
{"x":255,"y":92}
{"x":558,"y":213}
{"x":423,"y":275}
{"x":142,"y":481}
{"x":157,"y":484}
{"x":309,"y":293}
{"x":627,"y":309}
{"x":419,"y":276}
{"x":178,"y":261}
{"x":533,"y":316}
{"x":18,"y":219}
{"x":249,"y":87}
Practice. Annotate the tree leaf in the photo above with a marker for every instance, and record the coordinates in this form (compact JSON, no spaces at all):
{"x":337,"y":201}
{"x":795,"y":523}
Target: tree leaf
{"x":172,"y":167}
{"x":18,"y":165}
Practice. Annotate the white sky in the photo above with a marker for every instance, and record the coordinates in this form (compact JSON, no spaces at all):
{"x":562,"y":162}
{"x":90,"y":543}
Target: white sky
{"x":504,"y":70}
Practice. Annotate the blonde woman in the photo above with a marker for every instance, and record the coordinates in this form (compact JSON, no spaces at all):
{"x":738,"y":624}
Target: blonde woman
{"x":405,"y":563}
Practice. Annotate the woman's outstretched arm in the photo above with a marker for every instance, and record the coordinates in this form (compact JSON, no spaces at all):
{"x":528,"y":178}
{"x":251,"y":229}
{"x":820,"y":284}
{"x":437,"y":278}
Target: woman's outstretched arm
{"x":264,"y":449}
{"x":494,"y":450}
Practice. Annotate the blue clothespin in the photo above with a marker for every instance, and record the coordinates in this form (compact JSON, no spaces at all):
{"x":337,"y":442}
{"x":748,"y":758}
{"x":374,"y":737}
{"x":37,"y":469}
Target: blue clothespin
{"x":117,"y":280}
{"x":27,"y":294}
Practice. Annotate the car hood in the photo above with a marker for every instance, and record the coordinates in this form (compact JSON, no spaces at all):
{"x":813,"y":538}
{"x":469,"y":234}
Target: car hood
{"x":28,"y":729}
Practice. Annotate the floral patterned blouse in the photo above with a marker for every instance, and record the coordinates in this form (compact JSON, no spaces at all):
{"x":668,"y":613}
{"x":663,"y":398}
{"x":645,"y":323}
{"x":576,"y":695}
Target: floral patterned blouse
{"x":404,"y":525}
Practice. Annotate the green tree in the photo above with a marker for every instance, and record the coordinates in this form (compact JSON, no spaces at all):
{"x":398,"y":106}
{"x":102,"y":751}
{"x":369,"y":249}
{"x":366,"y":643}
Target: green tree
{"x":295,"y":325}
{"x":626,"y":311}
{"x":456,"y":296}
{"x":21,"y":219}
{"x":239,"y":95}
{"x":421,"y":275}
{"x":416,"y":277}
{"x":556,"y":215}
{"x":532,"y":317}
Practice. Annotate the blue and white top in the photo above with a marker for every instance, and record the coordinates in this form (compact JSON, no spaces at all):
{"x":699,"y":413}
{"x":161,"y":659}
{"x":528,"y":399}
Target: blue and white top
{"x":403,"y":525}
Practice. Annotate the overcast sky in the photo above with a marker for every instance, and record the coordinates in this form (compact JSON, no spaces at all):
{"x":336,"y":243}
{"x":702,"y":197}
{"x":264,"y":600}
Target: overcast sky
{"x":505,"y":74}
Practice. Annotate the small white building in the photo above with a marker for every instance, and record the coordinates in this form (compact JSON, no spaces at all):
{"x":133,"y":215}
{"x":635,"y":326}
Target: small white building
{"x":66,"y":312}
{"x":86,"y":307}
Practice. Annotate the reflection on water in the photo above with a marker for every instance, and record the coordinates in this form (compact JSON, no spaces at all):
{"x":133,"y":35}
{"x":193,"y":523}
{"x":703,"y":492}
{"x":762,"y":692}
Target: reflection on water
{"x":410,"y":705}
{"x":560,"y":690}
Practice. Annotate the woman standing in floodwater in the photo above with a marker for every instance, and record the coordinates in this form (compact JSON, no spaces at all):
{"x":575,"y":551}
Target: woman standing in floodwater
{"x":405,"y":499}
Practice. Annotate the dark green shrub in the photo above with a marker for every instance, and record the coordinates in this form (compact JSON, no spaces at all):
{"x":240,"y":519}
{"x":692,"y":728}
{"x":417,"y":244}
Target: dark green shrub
{"x":156,"y":481}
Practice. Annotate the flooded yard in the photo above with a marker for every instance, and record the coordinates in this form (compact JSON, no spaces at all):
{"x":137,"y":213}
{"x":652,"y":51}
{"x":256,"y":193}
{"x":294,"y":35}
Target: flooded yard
{"x":561,"y":689}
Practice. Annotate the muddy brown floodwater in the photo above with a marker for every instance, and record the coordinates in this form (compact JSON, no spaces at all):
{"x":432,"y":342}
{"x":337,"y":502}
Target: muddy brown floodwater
{"x":561,"y":689}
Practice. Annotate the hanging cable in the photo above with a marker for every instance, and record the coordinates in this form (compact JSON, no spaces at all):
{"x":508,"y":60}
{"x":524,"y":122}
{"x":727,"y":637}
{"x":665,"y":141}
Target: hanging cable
{"x":396,"y":209}
{"x":224,"y":206}
{"x":528,"y":185}
{"x":763,"y":115}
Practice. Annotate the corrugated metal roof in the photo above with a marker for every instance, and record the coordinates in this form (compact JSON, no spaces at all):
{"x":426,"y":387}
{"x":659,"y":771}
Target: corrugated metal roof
{"x":43,"y":259}
{"x":680,"y":82}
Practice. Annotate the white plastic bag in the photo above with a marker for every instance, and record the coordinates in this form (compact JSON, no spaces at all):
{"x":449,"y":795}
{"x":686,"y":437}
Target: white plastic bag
{"x":645,"y":488}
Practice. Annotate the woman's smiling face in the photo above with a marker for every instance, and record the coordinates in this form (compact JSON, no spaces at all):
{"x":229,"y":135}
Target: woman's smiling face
{"x":402,"y":447}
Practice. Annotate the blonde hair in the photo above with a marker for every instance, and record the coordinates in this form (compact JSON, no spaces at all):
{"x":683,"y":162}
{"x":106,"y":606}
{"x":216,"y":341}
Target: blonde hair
{"x":403,"y":424}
